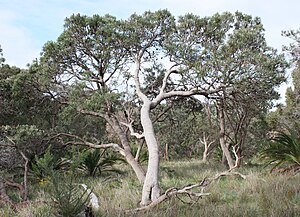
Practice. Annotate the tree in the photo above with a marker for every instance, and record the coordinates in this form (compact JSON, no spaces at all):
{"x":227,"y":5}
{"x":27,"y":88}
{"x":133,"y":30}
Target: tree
{"x":117,"y":70}
{"x":287,"y":115}
{"x":237,"y":58}
{"x":81,"y":70}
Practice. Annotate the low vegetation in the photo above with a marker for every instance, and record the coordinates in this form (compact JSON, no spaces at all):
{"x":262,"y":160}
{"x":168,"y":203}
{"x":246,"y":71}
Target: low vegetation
{"x":261,"y":194}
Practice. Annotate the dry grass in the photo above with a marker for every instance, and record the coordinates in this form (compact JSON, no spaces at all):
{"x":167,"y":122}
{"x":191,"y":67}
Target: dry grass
{"x":261,"y":194}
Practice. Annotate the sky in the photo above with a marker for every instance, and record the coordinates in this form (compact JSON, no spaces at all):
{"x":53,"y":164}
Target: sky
{"x":26,"y":25}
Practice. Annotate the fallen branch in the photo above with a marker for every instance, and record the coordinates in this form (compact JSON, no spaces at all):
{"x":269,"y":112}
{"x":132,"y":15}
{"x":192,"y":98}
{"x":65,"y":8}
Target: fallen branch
{"x":187,"y":190}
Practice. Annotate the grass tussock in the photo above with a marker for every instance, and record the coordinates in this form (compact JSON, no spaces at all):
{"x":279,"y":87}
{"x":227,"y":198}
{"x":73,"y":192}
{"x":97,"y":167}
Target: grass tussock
{"x":261,"y":194}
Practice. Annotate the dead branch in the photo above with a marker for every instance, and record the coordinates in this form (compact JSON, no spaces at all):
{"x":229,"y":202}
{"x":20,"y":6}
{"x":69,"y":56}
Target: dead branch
{"x":171,"y":192}
{"x":186,"y":190}
{"x":208,"y":146}
{"x":25,"y":192}
{"x":139,"y":149}
{"x":230,"y":173}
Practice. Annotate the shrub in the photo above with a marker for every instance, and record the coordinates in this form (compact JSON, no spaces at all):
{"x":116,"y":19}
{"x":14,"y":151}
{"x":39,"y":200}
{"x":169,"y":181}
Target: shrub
{"x":94,"y":161}
{"x":284,"y":148}
{"x":70,"y":198}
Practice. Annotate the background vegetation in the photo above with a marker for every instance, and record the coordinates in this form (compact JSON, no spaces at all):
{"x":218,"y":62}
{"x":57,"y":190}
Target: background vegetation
{"x":72,"y":118}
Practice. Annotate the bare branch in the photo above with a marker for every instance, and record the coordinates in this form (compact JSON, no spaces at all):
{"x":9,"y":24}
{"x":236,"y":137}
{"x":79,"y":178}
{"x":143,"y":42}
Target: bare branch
{"x":139,"y":149}
{"x":163,"y":112}
{"x":25,"y":192}
{"x":139,"y":92}
{"x":165,"y":79}
{"x":132,"y":133}
{"x":174,"y":192}
{"x":207,"y":146}
{"x":229,"y":173}
{"x":92,"y":145}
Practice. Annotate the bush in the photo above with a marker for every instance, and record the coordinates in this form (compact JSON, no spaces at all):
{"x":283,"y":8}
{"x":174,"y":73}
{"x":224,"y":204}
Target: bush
{"x":284,"y":149}
{"x":70,"y":198}
{"x":94,"y":161}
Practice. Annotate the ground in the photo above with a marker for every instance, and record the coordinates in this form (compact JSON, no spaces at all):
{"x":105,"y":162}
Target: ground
{"x":261,"y":194}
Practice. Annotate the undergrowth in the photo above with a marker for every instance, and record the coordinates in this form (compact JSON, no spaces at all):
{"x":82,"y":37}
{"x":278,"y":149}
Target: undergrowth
{"x":261,"y":194}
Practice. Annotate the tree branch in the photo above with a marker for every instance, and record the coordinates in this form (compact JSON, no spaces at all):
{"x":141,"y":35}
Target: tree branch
{"x":97,"y":114}
{"x":132,"y":133}
{"x":174,"y":192}
{"x":165,"y":79}
{"x":25,"y":189}
{"x":139,"y":92}
{"x":92,"y":145}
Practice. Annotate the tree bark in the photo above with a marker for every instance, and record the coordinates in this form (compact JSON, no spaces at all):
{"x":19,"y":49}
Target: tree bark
{"x":151,"y":188}
{"x":223,"y":144}
{"x":137,"y":168}
{"x":115,"y":125}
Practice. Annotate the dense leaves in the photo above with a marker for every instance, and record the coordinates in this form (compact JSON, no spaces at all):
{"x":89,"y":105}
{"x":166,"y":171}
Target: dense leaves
{"x":285,"y":148}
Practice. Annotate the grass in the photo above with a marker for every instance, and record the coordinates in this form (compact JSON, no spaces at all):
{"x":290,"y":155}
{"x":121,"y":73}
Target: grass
{"x":261,"y":194}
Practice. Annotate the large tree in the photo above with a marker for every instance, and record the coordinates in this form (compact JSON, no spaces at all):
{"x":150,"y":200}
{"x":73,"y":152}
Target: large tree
{"x":233,"y":55}
{"x":109,"y":68}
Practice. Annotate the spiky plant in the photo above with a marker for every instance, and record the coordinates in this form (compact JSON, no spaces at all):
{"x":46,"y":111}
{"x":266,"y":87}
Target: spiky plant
{"x":69,"y":198}
{"x":99,"y":161}
{"x":283,"y":149}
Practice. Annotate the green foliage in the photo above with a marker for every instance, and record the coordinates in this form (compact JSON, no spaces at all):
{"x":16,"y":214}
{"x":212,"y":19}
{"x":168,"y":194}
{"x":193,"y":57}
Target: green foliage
{"x":284,"y":148}
{"x":44,"y":166}
{"x":1,"y":56}
{"x":27,"y":138}
{"x":143,"y":154}
{"x":69,"y":197}
{"x":97,"y":161}
{"x":22,"y":99}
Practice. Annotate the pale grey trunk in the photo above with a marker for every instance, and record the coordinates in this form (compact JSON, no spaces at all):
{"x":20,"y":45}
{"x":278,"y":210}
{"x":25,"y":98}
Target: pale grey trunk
{"x":137,"y":168}
{"x":151,"y":189}
{"x":224,"y":146}
{"x":205,"y":153}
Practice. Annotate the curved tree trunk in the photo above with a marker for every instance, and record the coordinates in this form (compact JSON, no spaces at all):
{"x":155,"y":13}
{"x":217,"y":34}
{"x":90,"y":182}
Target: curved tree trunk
{"x":137,"y":168}
{"x":151,"y":189}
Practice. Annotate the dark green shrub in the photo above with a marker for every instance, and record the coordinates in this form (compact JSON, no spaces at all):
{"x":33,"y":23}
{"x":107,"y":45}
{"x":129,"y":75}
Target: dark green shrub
{"x":284,"y":149}
{"x":94,"y":161}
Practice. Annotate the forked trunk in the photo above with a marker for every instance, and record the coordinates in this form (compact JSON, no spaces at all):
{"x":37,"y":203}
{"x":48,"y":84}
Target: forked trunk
{"x":151,"y":189}
{"x":135,"y":165}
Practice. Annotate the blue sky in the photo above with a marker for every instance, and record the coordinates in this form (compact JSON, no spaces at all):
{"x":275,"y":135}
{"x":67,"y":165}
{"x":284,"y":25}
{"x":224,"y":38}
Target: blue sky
{"x":26,"y":25}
